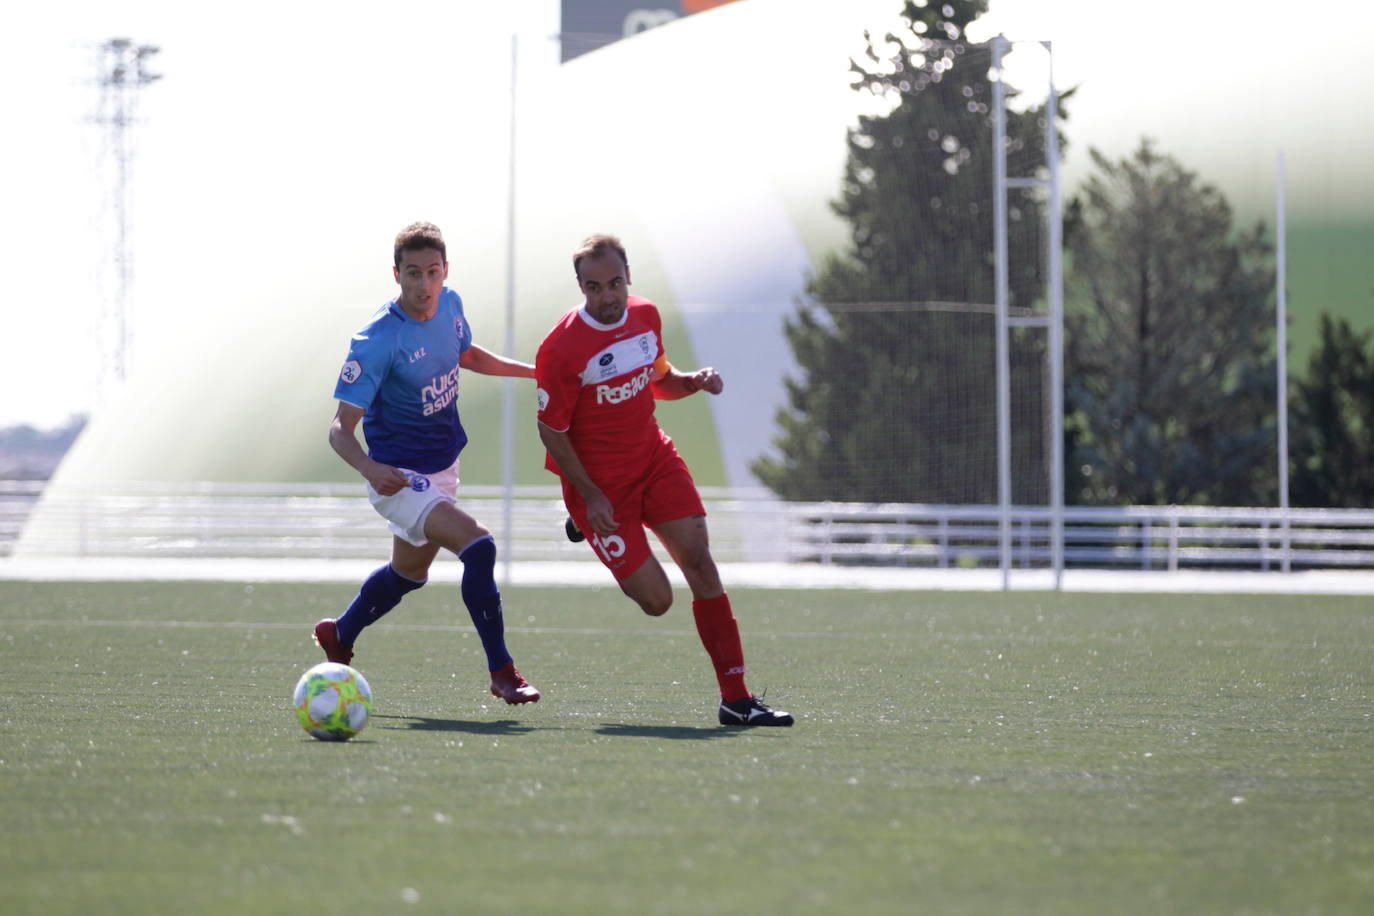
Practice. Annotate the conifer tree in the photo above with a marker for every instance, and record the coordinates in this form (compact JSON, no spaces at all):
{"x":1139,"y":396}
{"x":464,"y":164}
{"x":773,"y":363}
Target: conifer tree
{"x":1169,"y":324}
{"x":1332,"y":421}
{"x":896,"y":399}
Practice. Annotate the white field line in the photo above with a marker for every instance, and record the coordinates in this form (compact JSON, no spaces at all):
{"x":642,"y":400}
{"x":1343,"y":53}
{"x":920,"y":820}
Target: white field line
{"x":1026,"y":639}
{"x":735,"y":575}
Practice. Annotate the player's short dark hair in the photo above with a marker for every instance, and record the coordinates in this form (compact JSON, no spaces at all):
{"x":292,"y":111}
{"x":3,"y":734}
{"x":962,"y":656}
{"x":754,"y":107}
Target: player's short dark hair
{"x":594,"y":246}
{"x":418,"y":237}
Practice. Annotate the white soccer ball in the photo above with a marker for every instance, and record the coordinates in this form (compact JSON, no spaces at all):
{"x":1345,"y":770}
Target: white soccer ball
{"x":333,"y":701}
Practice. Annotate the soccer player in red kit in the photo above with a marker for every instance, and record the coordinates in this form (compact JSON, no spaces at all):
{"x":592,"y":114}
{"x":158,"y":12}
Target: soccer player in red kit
{"x":599,"y":372}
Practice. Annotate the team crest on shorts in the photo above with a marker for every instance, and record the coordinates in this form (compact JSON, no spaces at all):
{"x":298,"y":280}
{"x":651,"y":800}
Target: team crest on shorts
{"x":419,"y":483}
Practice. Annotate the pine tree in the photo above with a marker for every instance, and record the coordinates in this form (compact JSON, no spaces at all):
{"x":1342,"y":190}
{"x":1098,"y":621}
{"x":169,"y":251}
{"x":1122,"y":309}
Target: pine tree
{"x":897,"y":401}
{"x":1169,"y":325}
{"x":1332,"y":422}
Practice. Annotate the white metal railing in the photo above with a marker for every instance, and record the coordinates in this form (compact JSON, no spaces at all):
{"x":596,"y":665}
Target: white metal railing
{"x":17,"y":499}
{"x":1141,"y":537}
{"x":333,"y":520}
{"x":322,"y":520}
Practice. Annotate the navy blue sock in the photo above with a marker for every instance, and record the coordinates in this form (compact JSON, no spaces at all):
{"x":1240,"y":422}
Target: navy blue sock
{"x":381,"y":592}
{"x":483,"y":599}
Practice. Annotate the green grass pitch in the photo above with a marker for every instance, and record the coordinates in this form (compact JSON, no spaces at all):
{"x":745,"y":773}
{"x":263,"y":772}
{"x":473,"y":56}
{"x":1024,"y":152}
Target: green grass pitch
{"x":954,"y":753}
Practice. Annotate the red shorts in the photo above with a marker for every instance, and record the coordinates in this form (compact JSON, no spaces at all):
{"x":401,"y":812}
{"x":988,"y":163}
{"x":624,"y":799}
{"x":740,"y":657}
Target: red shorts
{"x":665,"y":494}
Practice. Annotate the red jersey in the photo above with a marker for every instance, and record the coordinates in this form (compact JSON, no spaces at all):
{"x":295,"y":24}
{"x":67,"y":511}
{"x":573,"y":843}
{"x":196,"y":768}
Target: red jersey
{"x":595,"y":383}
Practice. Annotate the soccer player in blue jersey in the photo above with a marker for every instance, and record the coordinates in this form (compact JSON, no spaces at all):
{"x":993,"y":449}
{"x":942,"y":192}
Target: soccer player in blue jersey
{"x":400,"y":380}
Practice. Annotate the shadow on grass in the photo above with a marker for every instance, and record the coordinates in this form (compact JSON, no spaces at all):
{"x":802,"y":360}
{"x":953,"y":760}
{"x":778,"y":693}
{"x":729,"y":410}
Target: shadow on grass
{"x":422,"y":724}
{"x":674,"y":732}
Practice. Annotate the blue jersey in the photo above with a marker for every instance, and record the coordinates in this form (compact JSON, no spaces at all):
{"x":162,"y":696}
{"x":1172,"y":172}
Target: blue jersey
{"x":403,"y":373}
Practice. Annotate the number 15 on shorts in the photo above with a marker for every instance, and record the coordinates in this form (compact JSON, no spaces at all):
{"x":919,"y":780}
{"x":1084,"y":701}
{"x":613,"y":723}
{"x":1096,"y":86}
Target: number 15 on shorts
{"x":611,"y":547}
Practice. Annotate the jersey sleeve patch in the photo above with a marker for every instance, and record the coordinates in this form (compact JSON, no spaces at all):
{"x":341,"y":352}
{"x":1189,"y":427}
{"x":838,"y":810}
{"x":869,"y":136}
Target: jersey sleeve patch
{"x":555,"y":388}
{"x":351,"y":372}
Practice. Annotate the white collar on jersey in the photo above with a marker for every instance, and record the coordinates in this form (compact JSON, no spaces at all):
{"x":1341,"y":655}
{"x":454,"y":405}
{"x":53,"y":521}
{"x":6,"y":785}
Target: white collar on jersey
{"x":587,"y":317}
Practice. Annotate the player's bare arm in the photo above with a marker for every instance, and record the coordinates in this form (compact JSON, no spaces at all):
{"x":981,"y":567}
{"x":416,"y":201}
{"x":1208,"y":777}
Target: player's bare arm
{"x":678,"y":384}
{"x":484,"y":362}
{"x":600,"y":513}
{"x":343,"y":438}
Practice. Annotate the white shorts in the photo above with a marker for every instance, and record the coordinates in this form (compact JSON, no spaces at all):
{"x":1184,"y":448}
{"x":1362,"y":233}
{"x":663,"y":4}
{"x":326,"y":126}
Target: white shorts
{"x":406,"y":510}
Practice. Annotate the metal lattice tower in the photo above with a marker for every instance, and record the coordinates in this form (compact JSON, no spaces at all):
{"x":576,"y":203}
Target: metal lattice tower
{"x":122,"y":72}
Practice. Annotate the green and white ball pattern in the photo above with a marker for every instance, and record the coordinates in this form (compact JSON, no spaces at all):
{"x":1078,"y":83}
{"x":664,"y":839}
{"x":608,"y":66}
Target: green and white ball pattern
{"x":333,"y":701}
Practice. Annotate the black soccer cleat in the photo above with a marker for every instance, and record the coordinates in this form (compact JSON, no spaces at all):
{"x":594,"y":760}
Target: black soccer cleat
{"x":573,"y":532}
{"x":749,"y":711}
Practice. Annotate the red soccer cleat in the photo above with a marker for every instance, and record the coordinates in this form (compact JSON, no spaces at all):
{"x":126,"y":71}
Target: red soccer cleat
{"x":327,"y":638}
{"x":510,"y":685}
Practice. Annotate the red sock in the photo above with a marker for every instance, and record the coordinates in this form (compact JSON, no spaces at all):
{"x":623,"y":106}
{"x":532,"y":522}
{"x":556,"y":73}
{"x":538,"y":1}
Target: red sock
{"x":719,"y":633}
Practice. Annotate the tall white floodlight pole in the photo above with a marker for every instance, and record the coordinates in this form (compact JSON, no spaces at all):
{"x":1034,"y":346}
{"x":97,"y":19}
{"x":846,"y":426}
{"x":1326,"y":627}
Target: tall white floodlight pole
{"x":508,"y":402}
{"x":1056,"y":330}
{"x":1003,"y":295}
{"x":1281,"y":281}
{"x":123,"y":70}
{"x":1053,"y":321}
